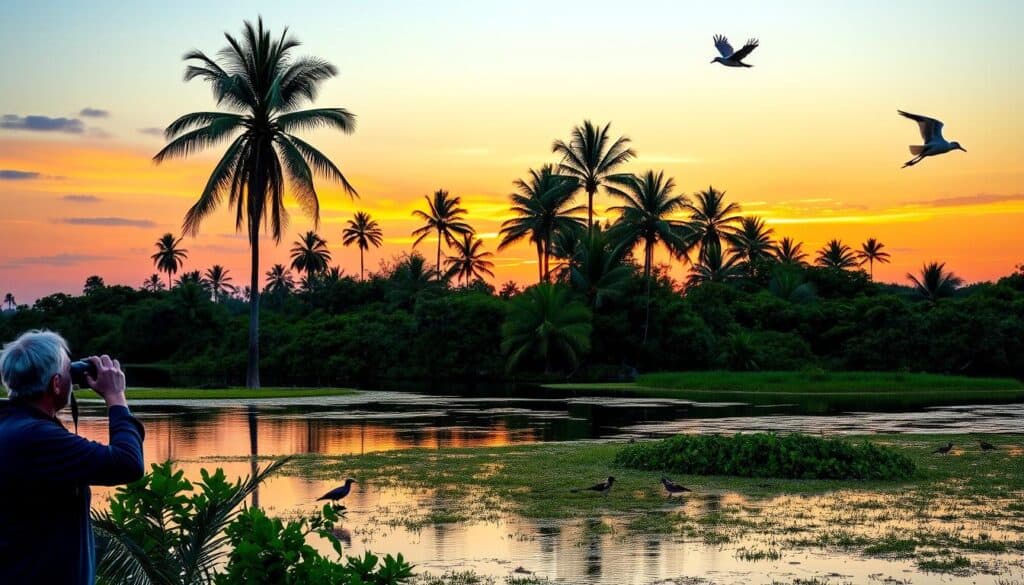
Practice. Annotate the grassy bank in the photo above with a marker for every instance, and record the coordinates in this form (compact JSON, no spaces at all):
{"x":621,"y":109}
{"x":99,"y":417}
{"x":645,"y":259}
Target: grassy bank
{"x":220,"y":394}
{"x":839,"y":389}
{"x":965,"y":503}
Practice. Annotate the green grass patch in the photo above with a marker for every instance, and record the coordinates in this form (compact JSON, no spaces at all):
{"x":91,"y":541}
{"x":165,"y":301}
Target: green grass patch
{"x":220,"y":394}
{"x":951,"y":565}
{"x":892,"y":545}
{"x":814,"y":386}
{"x":794,"y":456}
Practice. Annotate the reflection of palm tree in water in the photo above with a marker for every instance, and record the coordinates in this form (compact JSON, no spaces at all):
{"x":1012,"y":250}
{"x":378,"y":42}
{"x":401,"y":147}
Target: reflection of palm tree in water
{"x":594,"y":552}
{"x":254,"y":452}
{"x":712,"y":503}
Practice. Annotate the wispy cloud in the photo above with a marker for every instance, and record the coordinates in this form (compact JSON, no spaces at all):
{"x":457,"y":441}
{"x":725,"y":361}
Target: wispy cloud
{"x":13,"y":175}
{"x":54,"y":260}
{"x":666,"y":159}
{"x":152,"y":131}
{"x":966,"y":200}
{"x":109,"y":221}
{"x":78,"y":198}
{"x":94,"y":113}
{"x":42,"y":124}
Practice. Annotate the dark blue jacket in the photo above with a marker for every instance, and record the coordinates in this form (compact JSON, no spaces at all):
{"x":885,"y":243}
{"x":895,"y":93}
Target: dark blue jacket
{"x":45,"y":474}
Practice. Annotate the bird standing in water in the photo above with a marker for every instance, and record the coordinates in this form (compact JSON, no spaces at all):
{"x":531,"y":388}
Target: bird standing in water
{"x":732,"y":58}
{"x":945,"y":448}
{"x":931,"y":133}
{"x":604,"y":487}
{"x":338,"y":493}
{"x":673,"y":488}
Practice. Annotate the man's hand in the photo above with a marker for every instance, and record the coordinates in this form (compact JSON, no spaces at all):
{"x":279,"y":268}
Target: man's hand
{"x":109,"y":380}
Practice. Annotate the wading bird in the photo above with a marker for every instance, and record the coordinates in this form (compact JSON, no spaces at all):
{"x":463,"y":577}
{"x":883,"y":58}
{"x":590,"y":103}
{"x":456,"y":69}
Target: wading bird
{"x":338,"y":493}
{"x":604,"y":487}
{"x":732,"y":58}
{"x":945,"y":448}
{"x":673,"y":488}
{"x":931,"y":133}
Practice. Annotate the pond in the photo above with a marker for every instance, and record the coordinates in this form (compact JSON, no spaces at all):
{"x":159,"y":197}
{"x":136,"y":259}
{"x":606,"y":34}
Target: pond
{"x":592,"y":551}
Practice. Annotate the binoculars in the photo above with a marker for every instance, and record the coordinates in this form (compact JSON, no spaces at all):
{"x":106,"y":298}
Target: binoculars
{"x":79,"y":369}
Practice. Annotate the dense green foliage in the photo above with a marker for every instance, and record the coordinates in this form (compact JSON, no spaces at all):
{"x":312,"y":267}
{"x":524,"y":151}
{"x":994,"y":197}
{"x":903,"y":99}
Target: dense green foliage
{"x":165,"y":530}
{"x":403,"y":323}
{"x":793,"y":456}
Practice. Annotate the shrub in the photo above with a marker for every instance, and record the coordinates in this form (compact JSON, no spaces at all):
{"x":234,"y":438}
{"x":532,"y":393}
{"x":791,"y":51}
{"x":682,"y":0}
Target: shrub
{"x":794,"y":456}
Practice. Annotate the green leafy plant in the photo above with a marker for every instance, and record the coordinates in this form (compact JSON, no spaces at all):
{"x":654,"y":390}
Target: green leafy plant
{"x":796,"y":456}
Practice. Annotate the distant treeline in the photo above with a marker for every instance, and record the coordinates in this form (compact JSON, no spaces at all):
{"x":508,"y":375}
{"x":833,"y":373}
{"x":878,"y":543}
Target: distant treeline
{"x":403,"y":323}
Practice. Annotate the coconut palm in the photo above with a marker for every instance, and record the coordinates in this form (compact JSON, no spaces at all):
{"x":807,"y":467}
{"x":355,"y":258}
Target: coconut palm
{"x":752,"y":242}
{"x":711,"y":219}
{"x":192,"y":277}
{"x":835,"y":254}
{"x":716,"y":265}
{"x":645,"y":217}
{"x":9,"y":301}
{"x":279,"y":280}
{"x":597,"y":270}
{"x":934,"y":282}
{"x":543,"y":206}
{"x":544,"y":322}
{"x":363,"y":231}
{"x":262,"y":86}
{"x":309,"y":254}
{"x":217,"y":281}
{"x":169,"y":257}
{"x":470,"y":261}
{"x":871,"y":252}
{"x":590,"y":156}
{"x":444,"y":217}
{"x":153,"y":283}
{"x":789,"y":251}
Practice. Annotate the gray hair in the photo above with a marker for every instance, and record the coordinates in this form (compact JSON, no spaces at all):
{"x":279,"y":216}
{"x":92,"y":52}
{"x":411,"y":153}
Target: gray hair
{"x":28,"y":363}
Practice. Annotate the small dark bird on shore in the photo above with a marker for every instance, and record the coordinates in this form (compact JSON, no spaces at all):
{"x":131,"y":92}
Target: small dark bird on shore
{"x":945,"y":448}
{"x":673,"y":488}
{"x":604,"y":487}
{"x":986,"y":446}
{"x":338,"y":493}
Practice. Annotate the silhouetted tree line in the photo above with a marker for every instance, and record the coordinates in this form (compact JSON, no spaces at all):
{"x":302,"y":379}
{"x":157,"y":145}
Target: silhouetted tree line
{"x":404,"y":323}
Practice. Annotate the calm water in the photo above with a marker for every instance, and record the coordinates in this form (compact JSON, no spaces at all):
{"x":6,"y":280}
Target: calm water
{"x":570,"y":552}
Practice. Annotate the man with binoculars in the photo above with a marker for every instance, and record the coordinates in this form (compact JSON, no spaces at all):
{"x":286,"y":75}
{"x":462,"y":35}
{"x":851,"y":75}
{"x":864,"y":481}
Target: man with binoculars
{"x":46,"y":470}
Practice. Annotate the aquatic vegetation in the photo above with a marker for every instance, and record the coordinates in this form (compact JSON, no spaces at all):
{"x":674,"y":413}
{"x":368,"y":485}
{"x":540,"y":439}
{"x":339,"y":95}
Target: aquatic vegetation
{"x":794,"y":456}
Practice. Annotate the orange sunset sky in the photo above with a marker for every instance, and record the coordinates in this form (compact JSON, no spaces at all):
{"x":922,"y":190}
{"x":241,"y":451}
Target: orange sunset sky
{"x":467,"y":96}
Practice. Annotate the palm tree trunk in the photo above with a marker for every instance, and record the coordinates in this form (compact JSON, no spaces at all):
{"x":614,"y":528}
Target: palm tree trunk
{"x":590,"y":211}
{"x":541,"y":277}
{"x":362,"y":276}
{"x":439,"y":254}
{"x":871,"y":263}
{"x":547,"y":259}
{"x":252,"y":371}
{"x":648,"y":253}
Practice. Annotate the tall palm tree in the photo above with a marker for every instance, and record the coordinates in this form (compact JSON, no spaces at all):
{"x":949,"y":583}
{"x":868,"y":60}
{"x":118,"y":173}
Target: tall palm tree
{"x":715,"y":265}
{"x":935,"y":282}
{"x":444,"y":217}
{"x":543,"y":206}
{"x":218,"y":282}
{"x":363,"y":231}
{"x":597,"y":270}
{"x":262,"y":85}
{"x":310,"y":254}
{"x":153,"y":283}
{"x":169,"y":257}
{"x":871,"y":252}
{"x":9,"y":300}
{"x":712,"y":219}
{"x":752,"y":242}
{"x":469,"y":261}
{"x":836,"y":254}
{"x":279,"y":279}
{"x":590,"y":156}
{"x":544,"y":322}
{"x":789,"y":251}
{"x":645,"y":217}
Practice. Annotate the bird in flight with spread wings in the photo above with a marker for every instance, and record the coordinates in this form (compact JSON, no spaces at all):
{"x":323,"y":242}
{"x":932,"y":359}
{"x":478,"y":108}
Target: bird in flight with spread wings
{"x":731,"y":58}
{"x":931,"y":133}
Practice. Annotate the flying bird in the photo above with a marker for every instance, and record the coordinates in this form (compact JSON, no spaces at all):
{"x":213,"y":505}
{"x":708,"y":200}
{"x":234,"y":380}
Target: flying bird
{"x":986,"y":446}
{"x":945,"y":448}
{"x":931,"y":133}
{"x":731,"y":58}
{"x":604,"y":487}
{"x":673,"y":488}
{"x":338,"y":493}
